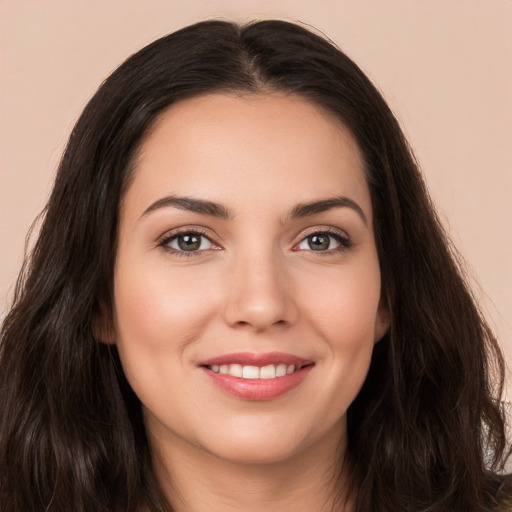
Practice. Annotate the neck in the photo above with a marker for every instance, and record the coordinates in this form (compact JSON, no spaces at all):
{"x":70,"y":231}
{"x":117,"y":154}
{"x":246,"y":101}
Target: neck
{"x":198,"y":481}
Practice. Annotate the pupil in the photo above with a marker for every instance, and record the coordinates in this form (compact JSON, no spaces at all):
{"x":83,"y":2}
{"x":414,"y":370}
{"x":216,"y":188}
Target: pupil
{"x":318,"y":242}
{"x":189,"y":242}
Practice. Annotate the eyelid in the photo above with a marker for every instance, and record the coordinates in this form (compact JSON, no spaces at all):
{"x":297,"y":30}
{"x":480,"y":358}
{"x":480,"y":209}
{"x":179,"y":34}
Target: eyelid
{"x":345,"y":240}
{"x":324,"y":229}
{"x":342,"y":236}
{"x":166,"y":238}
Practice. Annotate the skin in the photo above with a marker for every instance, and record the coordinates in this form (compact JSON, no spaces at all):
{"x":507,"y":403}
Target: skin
{"x":254,"y":285}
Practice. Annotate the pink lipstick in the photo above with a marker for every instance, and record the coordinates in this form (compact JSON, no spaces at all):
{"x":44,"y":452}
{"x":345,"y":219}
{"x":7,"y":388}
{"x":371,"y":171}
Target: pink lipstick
{"x":252,"y":376}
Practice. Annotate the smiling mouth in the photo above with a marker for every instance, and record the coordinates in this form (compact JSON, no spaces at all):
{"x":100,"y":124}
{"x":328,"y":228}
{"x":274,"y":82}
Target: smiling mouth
{"x":258,"y":377}
{"x":270,"y":371}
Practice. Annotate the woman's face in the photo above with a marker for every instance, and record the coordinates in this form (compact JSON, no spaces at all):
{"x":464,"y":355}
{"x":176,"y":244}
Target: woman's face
{"x":247,"y":282}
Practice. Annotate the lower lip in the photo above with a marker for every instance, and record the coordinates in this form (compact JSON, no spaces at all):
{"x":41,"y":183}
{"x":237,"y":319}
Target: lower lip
{"x":258,"y":389}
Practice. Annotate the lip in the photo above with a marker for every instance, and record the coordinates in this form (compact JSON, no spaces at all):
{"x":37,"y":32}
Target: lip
{"x":257,"y":389}
{"x":254,"y":359}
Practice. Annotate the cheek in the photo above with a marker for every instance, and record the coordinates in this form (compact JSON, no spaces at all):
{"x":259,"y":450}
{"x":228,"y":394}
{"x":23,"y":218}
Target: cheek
{"x":154,"y":305}
{"x":343,"y":312}
{"x":344,"y":303}
{"x":158,"y":314}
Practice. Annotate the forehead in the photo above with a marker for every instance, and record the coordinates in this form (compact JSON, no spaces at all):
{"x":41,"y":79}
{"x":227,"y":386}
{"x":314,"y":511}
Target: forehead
{"x":225,"y":147}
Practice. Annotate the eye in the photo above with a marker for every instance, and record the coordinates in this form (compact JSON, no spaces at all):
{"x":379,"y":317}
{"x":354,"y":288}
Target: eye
{"x":323,"y":241}
{"x":188,"y":242}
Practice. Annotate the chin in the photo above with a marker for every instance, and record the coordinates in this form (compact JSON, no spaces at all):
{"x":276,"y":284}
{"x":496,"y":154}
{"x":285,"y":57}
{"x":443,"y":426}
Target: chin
{"x":262,"y":450}
{"x":264,"y":443}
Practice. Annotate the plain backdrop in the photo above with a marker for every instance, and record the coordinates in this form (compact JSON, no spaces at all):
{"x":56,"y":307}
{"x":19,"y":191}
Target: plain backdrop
{"x":444,"y":66}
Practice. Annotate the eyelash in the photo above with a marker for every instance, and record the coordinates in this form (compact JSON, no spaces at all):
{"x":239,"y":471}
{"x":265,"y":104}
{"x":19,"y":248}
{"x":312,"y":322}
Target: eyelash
{"x":164,"y":243}
{"x":341,"y":237}
{"x":343,"y":240}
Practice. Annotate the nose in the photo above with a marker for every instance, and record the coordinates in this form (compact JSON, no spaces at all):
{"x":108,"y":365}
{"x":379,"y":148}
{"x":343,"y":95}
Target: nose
{"x":260,"y":294}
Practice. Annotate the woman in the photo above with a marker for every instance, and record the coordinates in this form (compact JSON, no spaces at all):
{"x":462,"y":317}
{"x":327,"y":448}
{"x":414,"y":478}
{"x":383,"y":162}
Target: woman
{"x":241,"y":299}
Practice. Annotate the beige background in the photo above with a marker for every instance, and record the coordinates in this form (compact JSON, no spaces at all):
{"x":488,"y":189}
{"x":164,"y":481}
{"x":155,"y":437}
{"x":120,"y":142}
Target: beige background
{"x":445,"y":67}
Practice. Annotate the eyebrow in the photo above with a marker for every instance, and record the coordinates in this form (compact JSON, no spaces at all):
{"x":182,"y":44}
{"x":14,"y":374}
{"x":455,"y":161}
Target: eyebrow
{"x":315,"y":207}
{"x":192,"y":205}
{"x":213,"y":209}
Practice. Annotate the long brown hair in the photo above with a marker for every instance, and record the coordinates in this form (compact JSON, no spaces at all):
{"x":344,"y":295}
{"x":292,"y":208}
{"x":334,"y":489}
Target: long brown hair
{"x":426,"y":432}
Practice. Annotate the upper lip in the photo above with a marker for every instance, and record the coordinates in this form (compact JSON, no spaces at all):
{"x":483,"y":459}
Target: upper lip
{"x":255,"y":359}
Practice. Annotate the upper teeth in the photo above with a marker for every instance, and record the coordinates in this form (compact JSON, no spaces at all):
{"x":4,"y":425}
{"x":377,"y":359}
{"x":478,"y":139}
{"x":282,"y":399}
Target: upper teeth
{"x":254,"y":372}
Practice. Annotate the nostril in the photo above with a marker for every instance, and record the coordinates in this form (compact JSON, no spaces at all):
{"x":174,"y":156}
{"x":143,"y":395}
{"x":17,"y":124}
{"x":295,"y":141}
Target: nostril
{"x":258,"y":307}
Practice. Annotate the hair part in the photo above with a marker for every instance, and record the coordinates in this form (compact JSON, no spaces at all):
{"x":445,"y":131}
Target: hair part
{"x":72,"y":435}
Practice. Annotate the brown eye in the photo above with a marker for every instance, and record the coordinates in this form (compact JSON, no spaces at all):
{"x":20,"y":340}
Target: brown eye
{"x":324,"y":241}
{"x":319,"y":242}
{"x":188,"y":242}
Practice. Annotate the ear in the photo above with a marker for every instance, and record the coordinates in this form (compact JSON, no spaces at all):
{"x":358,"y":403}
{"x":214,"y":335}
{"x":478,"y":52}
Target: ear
{"x":382,"y":320}
{"x":103,"y":327}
